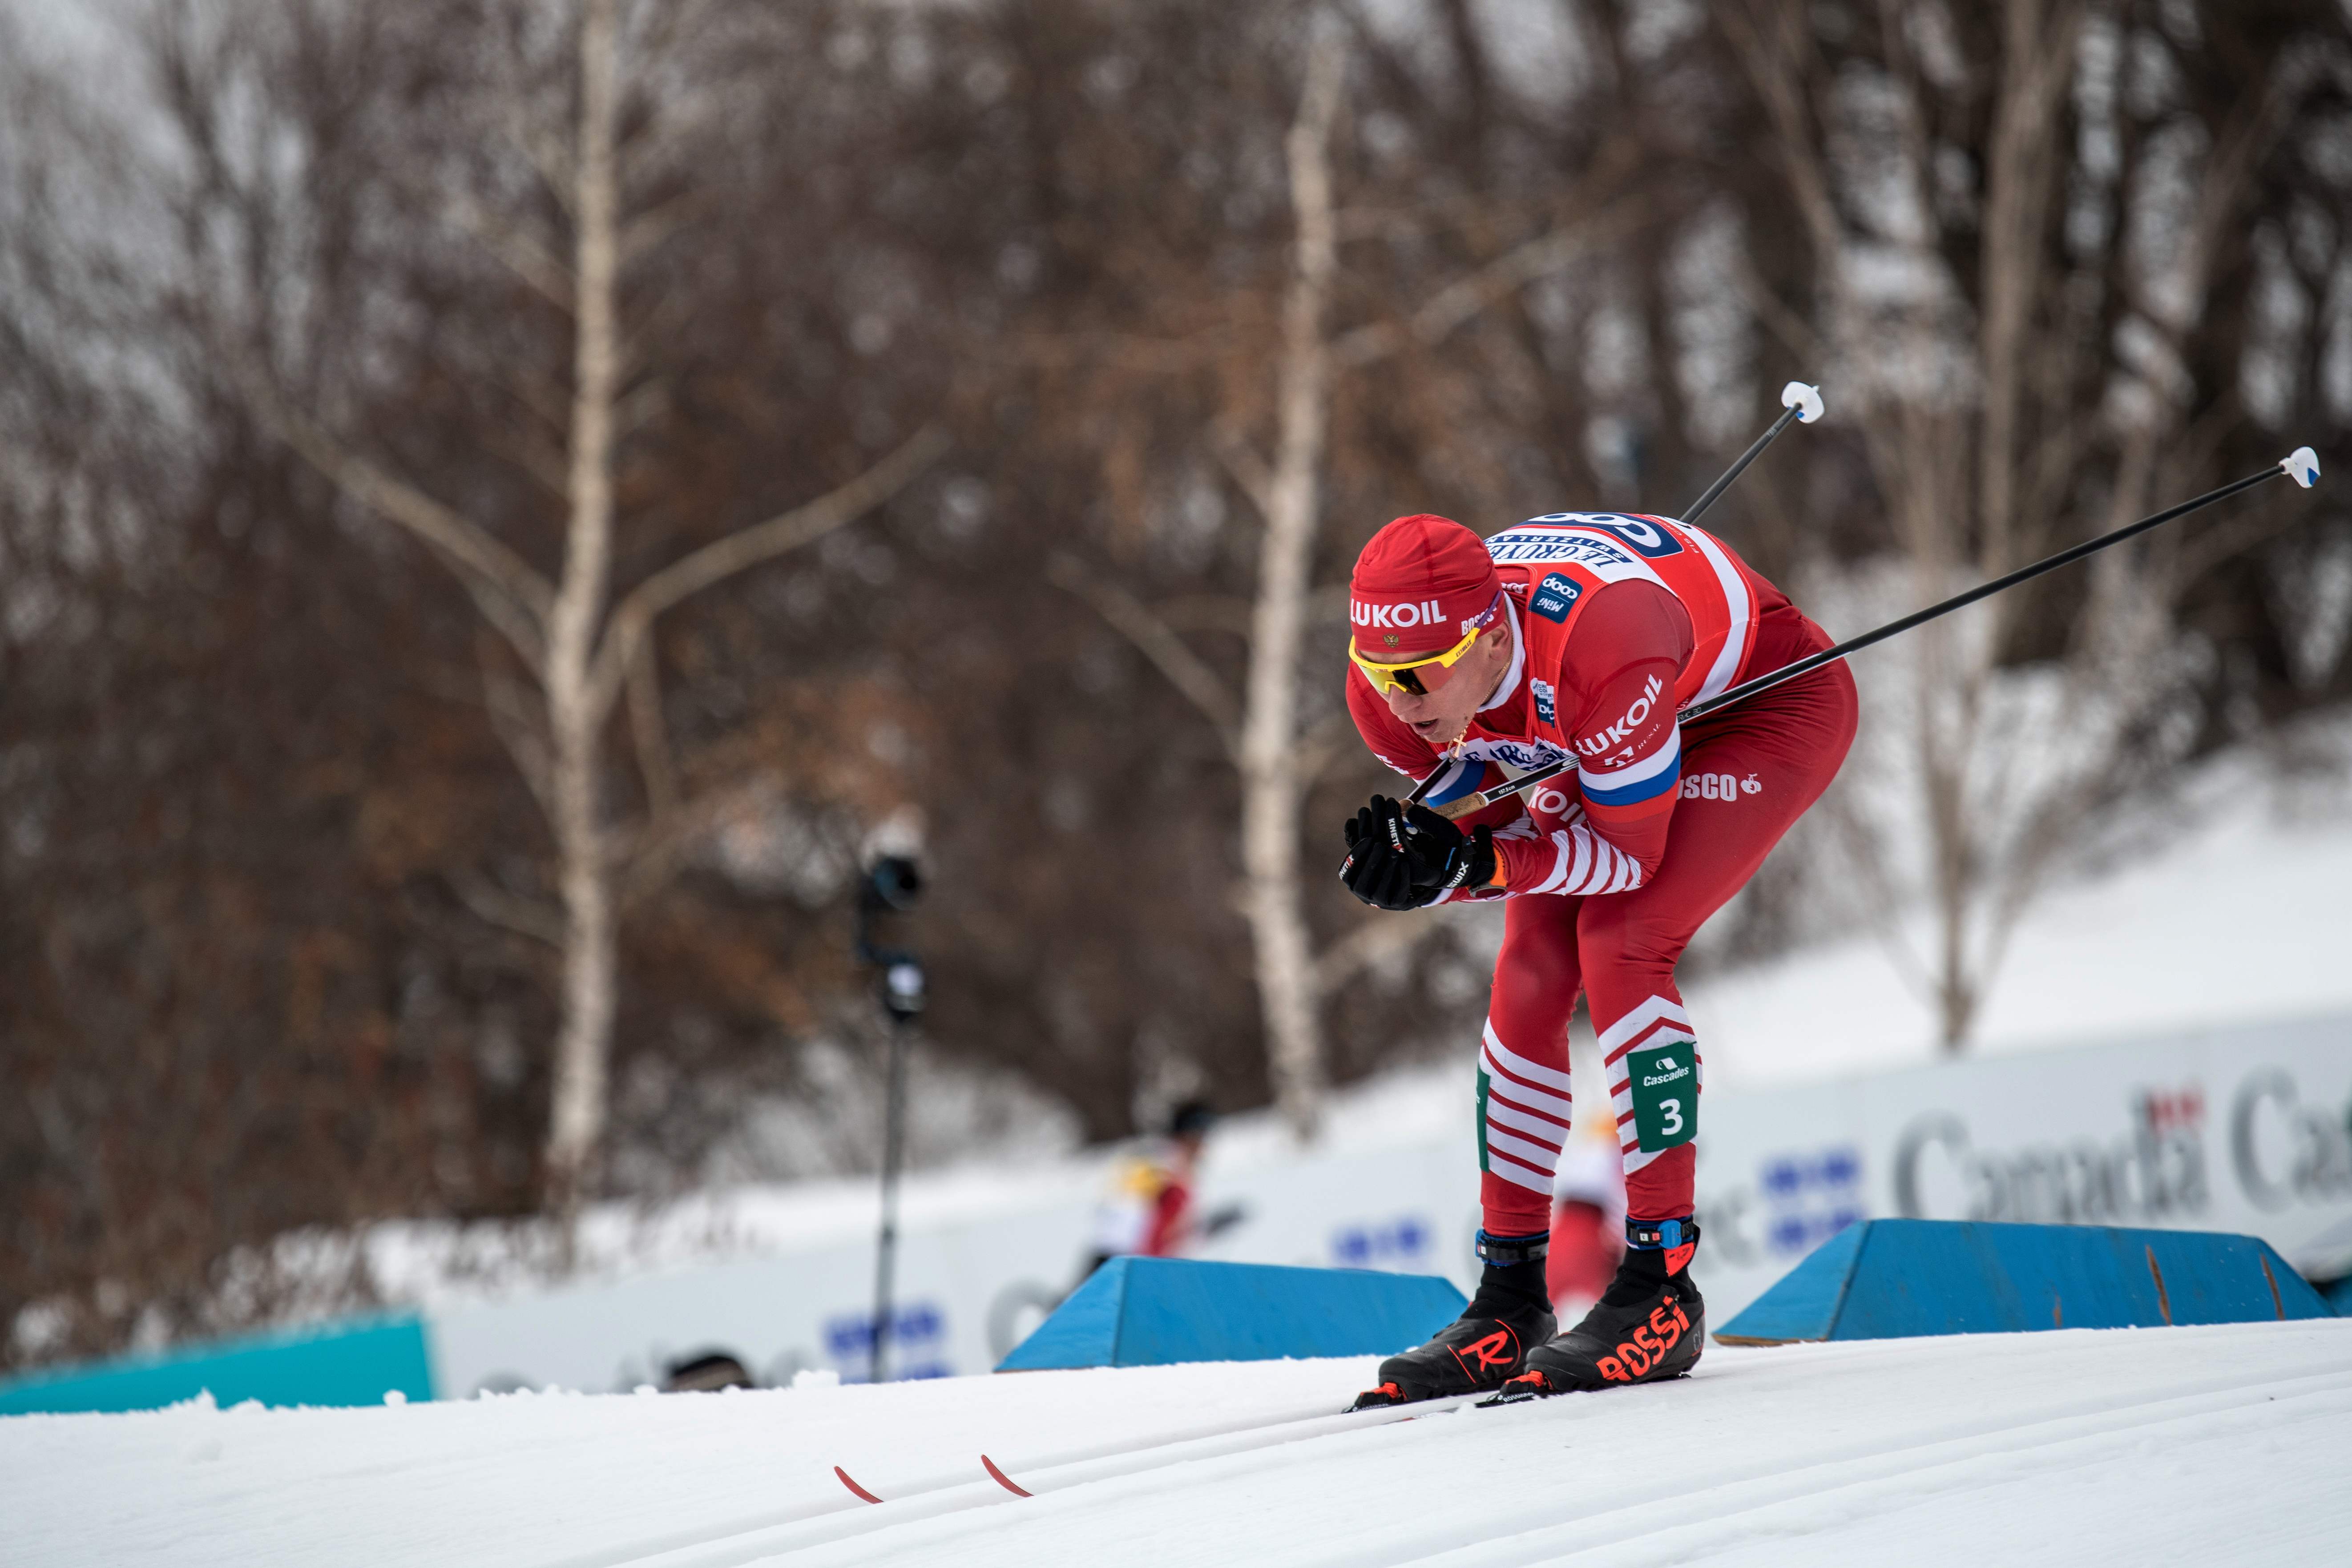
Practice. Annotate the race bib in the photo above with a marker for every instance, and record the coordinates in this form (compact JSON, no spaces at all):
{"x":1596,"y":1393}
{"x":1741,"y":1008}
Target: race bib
{"x":1665,"y":1094}
{"x":1479,"y":1135}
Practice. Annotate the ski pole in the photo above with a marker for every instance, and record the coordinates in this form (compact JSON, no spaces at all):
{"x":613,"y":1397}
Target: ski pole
{"x":2302,"y":466}
{"x":1801,"y":402}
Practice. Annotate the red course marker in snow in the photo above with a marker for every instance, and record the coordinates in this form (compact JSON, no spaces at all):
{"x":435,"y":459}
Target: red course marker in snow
{"x":1001,"y":1479}
{"x":853,"y":1485}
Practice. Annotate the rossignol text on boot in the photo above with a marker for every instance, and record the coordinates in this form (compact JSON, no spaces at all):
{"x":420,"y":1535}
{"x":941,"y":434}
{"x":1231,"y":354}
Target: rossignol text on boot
{"x":1649,"y":1327}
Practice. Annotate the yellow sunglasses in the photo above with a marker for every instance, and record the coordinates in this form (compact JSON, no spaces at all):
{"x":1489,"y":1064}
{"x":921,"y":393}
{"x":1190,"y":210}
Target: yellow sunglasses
{"x":1402,"y":677}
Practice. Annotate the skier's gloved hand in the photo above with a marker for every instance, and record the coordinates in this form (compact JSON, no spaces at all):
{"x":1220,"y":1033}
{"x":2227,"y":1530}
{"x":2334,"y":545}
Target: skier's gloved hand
{"x":1379,"y":868}
{"x":1402,"y":857}
{"x":1448,"y":858}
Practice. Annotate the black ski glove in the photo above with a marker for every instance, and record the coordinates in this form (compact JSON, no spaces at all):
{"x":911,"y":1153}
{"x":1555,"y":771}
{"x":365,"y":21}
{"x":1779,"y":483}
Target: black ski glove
{"x":1380,"y":865}
{"x":1402,"y":857}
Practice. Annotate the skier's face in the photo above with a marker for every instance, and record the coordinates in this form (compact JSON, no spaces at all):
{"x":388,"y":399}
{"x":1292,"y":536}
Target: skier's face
{"x":1441,"y":712}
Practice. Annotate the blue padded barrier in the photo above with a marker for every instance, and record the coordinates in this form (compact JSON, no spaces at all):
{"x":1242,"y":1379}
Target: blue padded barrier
{"x":1150,"y":1311}
{"x":346,"y":1363}
{"x":1895,"y":1279}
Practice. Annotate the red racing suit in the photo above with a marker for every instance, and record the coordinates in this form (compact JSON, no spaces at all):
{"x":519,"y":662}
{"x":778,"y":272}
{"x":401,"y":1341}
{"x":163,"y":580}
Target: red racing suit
{"x":1619,"y":621}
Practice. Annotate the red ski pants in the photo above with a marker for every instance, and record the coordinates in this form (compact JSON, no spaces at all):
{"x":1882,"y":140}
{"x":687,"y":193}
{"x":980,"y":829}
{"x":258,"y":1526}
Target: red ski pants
{"x":1746,"y":774}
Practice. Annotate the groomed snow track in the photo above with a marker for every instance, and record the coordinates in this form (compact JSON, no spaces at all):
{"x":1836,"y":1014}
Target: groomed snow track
{"x":2214,"y":1445}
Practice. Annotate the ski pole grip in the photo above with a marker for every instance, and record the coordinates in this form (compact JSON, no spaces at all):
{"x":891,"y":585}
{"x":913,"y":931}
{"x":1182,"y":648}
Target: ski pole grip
{"x":1454,"y":810}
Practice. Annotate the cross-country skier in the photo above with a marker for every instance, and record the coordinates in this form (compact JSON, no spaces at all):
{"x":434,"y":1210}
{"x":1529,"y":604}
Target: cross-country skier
{"x":1579,"y":635}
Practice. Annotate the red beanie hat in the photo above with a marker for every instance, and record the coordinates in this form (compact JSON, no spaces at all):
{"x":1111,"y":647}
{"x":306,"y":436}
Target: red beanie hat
{"x":1423,"y":583}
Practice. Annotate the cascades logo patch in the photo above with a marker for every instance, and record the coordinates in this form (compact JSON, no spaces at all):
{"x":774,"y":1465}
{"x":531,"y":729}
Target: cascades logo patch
{"x":1664,"y":1085}
{"x":1484,"y":1083}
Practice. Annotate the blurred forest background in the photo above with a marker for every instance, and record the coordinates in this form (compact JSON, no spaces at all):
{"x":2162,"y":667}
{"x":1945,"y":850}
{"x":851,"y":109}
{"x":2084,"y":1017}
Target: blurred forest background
{"x":504,"y":503}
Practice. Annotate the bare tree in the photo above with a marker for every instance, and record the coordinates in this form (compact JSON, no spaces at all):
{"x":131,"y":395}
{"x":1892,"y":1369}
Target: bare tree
{"x":583,"y":650}
{"x":2023,"y":380}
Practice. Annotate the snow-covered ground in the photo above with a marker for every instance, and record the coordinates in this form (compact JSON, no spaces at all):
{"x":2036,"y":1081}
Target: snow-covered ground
{"x":2190,"y":1444}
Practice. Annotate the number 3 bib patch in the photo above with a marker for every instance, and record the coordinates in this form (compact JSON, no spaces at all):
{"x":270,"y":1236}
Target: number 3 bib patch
{"x":1665,"y":1094}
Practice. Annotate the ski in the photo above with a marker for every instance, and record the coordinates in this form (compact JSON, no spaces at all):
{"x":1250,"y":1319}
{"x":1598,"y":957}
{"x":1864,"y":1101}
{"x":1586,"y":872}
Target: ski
{"x":1127,"y":1458}
{"x":1002,"y":1480}
{"x":853,"y":1485}
{"x":1506,"y":1395}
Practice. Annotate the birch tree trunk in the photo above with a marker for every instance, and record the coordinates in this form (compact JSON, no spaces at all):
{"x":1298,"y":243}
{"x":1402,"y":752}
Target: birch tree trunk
{"x":1272,"y":786}
{"x":576,"y":1122}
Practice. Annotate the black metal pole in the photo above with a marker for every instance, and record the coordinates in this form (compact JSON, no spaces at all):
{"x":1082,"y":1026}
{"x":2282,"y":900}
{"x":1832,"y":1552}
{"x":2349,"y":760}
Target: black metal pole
{"x":894,"y":1115}
{"x":892,"y":884}
{"x":1812,"y":662}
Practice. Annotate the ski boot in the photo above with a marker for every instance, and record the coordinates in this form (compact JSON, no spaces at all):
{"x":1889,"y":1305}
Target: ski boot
{"x":1650,"y":1326}
{"x":1488,"y":1342}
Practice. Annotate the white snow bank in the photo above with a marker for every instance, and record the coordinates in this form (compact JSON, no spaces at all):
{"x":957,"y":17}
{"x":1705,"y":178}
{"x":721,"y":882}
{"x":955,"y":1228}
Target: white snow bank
{"x":2217,"y":1445}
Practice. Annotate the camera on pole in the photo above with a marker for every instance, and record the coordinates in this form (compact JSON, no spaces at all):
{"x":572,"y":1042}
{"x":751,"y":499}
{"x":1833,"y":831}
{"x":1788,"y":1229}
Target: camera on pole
{"x":893,"y":883}
{"x":902,"y":990}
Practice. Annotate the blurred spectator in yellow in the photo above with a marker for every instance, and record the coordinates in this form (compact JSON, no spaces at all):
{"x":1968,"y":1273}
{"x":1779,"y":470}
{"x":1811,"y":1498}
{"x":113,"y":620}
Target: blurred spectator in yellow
{"x":1149,"y":1211}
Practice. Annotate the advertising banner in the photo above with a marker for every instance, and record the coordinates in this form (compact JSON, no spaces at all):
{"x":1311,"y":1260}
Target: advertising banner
{"x":2248,"y":1131}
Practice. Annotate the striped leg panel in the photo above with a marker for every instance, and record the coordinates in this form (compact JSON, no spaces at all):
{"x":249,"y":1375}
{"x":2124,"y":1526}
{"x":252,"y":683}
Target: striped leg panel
{"x":1525,"y":1112}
